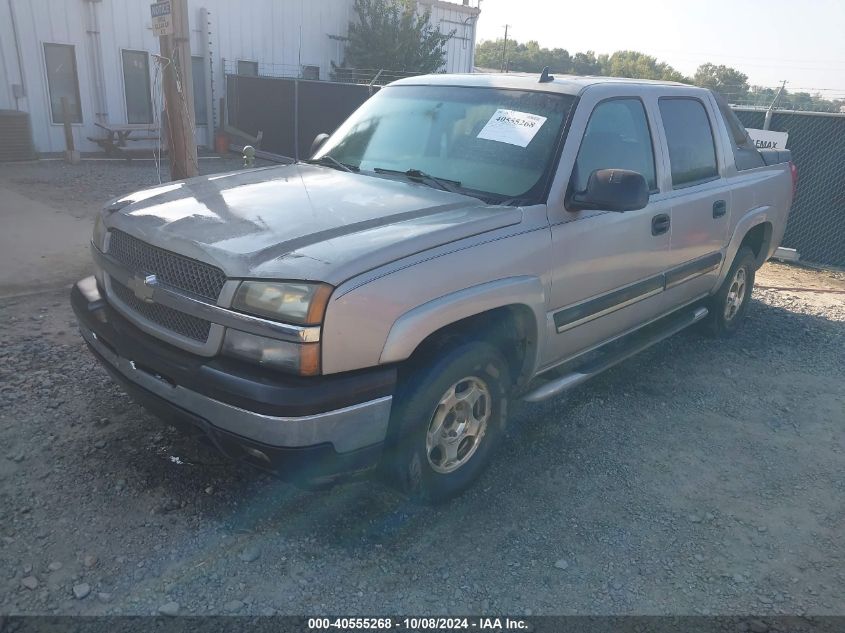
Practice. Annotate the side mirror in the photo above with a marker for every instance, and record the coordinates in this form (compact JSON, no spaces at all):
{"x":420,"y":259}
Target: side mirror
{"x":318,"y":142}
{"x":612,"y":190}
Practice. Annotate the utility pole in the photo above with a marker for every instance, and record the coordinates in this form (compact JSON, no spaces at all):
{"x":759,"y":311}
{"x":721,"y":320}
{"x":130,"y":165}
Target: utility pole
{"x":178,"y":93}
{"x":767,"y":121}
{"x":505,"y":48}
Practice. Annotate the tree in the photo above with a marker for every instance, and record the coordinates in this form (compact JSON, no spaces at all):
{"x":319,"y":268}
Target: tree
{"x":531,"y":58}
{"x":525,"y":58}
{"x":733,"y":84}
{"x":798,"y":100}
{"x":394,"y":35}
{"x":586,"y":64}
{"x":764,"y":97}
{"x":730,"y":82}
{"x":756,"y":96}
{"x":486,"y":52}
{"x":639,"y":66}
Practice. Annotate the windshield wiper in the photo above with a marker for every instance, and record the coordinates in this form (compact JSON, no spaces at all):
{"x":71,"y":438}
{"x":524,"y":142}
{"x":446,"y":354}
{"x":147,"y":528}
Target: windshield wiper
{"x":513,"y":202}
{"x":420,"y":176}
{"x":331,"y":161}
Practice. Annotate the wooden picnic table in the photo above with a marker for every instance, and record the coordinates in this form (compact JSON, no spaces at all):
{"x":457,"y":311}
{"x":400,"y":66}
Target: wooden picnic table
{"x":117,"y":134}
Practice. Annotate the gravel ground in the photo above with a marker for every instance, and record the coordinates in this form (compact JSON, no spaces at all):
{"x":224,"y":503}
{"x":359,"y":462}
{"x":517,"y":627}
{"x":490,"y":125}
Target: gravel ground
{"x":47,"y":209}
{"x":82,"y":189}
{"x":700,"y":477}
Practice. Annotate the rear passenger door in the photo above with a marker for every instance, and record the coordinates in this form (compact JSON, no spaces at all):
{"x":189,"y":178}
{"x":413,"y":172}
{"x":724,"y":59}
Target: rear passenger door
{"x":699,"y":196}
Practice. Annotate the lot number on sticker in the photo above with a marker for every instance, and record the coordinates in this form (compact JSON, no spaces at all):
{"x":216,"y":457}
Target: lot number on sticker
{"x":512,"y":127}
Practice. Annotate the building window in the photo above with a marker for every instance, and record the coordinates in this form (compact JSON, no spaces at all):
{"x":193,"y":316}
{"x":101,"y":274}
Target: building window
{"x":247,"y":68}
{"x":136,"y":86}
{"x":311,"y":72}
{"x":62,"y":81}
{"x":200,"y":103}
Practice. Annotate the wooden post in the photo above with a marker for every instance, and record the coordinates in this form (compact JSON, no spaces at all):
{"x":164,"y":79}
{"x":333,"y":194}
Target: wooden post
{"x":178,"y":94}
{"x":165,"y":133}
{"x":296,"y":120}
{"x":71,"y":155}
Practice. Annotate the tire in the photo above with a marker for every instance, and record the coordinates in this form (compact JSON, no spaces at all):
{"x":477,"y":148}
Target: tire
{"x":432,"y":466}
{"x":730,"y":303}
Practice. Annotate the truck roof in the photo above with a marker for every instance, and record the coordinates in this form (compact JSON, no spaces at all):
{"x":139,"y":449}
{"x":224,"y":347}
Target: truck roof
{"x":565,"y":84}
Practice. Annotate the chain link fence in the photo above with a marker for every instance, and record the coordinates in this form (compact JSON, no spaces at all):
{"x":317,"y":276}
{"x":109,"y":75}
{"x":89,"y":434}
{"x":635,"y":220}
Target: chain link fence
{"x":763,"y":98}
{"x":360,"y":76}
{"x":289,"y":112}
{"x":816,"y":227}
{"x":291,"y":104}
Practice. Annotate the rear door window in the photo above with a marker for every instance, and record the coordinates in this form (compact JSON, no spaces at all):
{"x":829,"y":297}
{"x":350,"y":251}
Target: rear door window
{"x":692,"y":152}
{"x":617,"y":137}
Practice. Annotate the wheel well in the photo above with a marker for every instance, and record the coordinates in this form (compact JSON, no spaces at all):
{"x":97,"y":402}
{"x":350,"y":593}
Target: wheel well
{"x":512,"y":329}
{"x":758,"y":239}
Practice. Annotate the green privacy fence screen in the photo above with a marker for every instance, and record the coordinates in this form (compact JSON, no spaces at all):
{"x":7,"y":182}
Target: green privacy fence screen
{"x":816,"y":227}
{"x":291,"y":111}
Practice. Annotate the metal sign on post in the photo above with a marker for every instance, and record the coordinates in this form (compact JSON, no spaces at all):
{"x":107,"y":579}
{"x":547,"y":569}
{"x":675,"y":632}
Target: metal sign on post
{"x":162,"y":18}
{"x":768,"y":139}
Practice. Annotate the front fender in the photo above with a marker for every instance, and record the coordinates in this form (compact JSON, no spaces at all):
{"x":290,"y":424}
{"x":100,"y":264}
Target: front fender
{"x":382,"y":315}
{"x":414,"y":326}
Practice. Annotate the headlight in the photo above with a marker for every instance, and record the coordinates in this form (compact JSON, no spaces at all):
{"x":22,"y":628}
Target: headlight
{"x":300,"y":358}
{"x":291,"y":302}
{"x":99,"y":237}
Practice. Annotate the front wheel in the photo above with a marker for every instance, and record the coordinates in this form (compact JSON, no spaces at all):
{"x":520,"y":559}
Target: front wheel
{"x":730,"y":303}
{"x":447,"y":421}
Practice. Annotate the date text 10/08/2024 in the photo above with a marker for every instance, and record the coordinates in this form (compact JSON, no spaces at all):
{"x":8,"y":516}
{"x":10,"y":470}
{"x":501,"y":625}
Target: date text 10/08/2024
{"x":417,"y":624}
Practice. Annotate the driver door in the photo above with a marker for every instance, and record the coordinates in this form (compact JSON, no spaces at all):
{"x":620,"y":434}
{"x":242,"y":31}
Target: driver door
{"x":607,"y":267}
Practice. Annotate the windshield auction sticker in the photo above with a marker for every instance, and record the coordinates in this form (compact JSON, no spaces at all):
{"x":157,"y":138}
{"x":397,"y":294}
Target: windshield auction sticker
{"x":512,"y":127}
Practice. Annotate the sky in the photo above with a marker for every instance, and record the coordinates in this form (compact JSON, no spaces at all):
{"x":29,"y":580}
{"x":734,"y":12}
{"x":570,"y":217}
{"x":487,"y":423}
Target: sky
{"x":801,"y":41}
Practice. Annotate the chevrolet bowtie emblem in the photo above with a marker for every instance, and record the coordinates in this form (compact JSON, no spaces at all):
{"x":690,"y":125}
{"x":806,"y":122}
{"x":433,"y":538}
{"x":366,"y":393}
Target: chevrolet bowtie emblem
{"x":143,"y":287}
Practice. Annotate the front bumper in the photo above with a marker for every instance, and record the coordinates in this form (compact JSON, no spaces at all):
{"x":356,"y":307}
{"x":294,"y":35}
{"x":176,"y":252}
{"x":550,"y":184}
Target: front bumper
{"x":311,"y":427}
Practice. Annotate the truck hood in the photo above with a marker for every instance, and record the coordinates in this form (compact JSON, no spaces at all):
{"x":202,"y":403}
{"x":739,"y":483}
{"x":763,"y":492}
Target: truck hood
{"x":301,"y":221}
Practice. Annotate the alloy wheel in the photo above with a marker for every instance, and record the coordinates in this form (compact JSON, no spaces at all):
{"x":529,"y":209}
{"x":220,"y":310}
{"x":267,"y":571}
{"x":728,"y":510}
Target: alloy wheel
{"x":736,"y":294}
{"x":458,"y":424}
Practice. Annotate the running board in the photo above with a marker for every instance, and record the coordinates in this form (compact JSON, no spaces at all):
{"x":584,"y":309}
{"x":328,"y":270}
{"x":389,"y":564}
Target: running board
{"x":627,"y":347}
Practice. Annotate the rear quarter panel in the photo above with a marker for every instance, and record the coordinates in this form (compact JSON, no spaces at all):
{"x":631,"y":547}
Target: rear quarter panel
{"x":758,"y":195}
{"x":762,"y":194}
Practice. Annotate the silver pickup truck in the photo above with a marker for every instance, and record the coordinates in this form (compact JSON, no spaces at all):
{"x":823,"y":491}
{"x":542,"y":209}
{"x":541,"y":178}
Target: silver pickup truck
{"x":459,"y":242}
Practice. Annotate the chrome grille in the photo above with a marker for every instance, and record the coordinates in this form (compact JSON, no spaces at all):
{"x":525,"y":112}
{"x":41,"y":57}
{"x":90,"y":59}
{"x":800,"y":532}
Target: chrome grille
{"x":184,"y":324}
{"x":169,"y":268}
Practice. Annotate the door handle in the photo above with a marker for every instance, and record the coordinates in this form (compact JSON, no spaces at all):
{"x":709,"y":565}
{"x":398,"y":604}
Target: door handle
{"x":720,"y":208}
{"x":660,"y":224}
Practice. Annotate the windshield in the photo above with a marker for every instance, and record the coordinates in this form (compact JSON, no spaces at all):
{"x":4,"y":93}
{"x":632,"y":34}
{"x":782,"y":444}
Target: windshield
{"x":482,"y":140}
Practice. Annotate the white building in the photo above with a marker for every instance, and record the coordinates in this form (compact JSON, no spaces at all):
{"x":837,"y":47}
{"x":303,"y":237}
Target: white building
{"x":98,"y":54}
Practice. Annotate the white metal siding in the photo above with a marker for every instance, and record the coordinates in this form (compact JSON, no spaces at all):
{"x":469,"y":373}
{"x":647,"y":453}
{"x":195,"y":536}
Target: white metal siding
{"x":462,"y":20}
{"x":42,"y":22}
{"x":123,"y":26}
{"x":278,"y":34}
{"x":8,"y":60}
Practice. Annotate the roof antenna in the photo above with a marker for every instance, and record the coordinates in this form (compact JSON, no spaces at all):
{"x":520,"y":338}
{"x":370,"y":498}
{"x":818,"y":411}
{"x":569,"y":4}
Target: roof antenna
{"x":545,"y":77}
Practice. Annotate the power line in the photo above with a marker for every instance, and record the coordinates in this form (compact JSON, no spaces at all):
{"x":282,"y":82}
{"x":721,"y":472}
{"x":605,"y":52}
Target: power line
{"x":765,"y":61}
{"x":761,"y":58}
{"x":784,"y":65}
{"x":821,"y":89}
